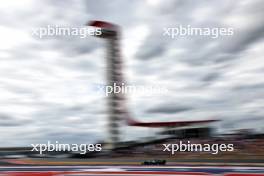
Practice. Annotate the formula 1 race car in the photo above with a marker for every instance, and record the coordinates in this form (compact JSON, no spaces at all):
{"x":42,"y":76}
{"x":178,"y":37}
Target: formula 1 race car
{"x":154,"y":162}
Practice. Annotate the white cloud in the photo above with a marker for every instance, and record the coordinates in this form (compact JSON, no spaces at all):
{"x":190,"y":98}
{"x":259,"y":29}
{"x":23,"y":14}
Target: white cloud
{"x":46,"y":84}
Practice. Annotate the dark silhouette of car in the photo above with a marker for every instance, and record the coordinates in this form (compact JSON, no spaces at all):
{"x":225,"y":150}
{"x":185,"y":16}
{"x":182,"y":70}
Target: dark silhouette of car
{"x":154,"y":162}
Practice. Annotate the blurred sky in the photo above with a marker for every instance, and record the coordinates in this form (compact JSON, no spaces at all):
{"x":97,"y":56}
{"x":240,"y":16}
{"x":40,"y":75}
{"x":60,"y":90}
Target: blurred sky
{"x":45,"y":84}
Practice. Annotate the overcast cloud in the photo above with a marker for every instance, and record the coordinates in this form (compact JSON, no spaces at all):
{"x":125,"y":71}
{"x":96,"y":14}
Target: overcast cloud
{"x":46,"y":84}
